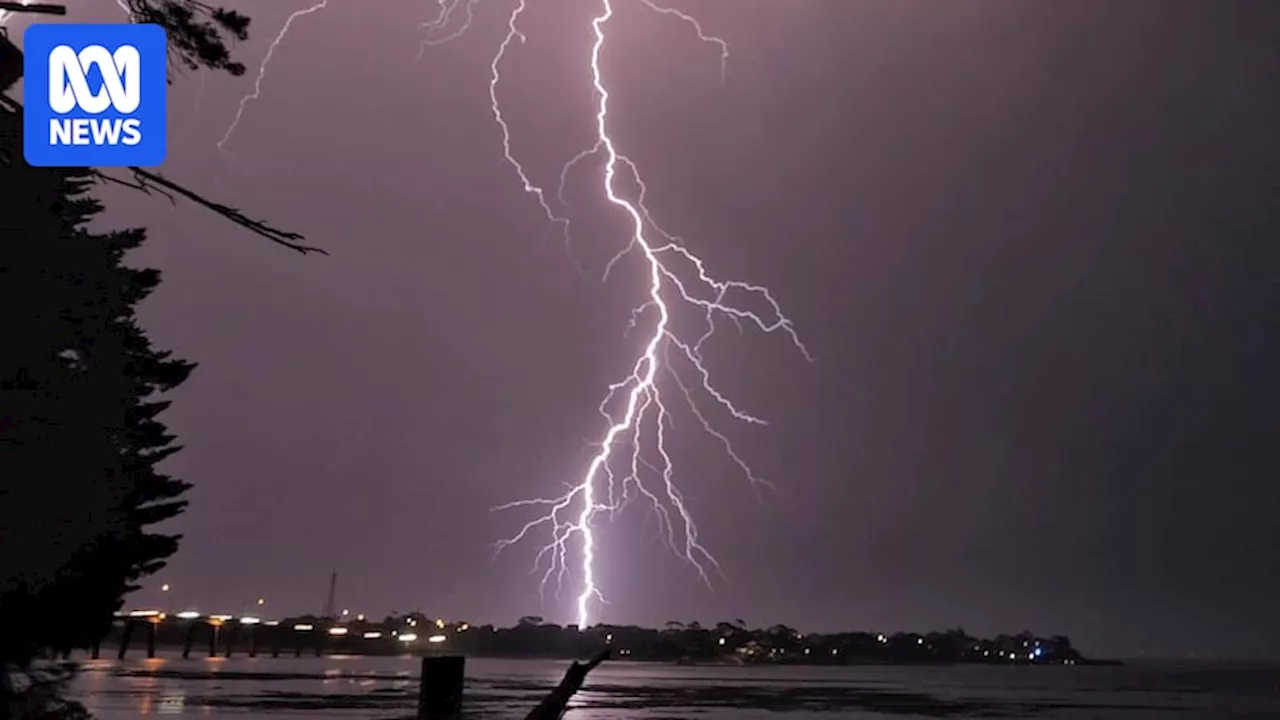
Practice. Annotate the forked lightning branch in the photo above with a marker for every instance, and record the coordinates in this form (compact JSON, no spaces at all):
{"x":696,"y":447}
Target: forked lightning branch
{"x":122,"y":122}
{"x":620,"y":470}
{"x":637,"y":410}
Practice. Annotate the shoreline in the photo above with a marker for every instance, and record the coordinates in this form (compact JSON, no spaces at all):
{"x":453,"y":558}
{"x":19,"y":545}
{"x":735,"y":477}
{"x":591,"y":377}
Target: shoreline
{"x":727,"y":661}
{"x":723,"y":644}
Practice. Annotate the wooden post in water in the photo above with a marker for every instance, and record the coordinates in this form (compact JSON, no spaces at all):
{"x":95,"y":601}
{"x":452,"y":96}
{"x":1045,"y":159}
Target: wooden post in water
{"x":440,"y":687}
{"x":232,"y":634}
{"x":213,"y":640}
{"x":95,"y":650}
{"x":152,"y":624}
{"x":277,"y":636}
{"x":253,"y":641}
{"x":125,"y":636}
{"x":190,"y":639}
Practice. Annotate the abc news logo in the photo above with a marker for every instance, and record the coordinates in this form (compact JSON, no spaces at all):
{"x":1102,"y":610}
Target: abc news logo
{"x":96,"y":95}
{"x":69,"y":89}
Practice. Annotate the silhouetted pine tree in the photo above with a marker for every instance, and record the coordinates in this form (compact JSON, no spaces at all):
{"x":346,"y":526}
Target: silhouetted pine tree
{"x":79,"y":436}
{"x":197,"y":31}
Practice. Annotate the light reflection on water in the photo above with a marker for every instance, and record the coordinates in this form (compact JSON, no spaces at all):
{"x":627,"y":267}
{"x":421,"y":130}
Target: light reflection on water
{"x":366,"y":687}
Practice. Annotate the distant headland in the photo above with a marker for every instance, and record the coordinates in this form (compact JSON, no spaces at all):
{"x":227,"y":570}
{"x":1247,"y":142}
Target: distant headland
{"x":531,"y":637}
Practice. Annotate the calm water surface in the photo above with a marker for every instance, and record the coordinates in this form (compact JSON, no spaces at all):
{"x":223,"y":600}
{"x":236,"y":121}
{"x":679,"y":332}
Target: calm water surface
{"x":364,"y":687}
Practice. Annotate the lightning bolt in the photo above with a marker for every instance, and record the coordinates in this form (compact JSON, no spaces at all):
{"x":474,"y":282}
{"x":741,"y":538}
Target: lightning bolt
{"x":495,"y":76}
{"x":697,"y":27}
{"x":262,"y":69}
{"x":599,"y":490}
{"x":677,"y":278}
{"x":441,"y":23}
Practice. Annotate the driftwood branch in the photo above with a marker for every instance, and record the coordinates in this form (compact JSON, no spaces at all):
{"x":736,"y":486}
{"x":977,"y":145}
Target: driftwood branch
{"x":554,"y":705}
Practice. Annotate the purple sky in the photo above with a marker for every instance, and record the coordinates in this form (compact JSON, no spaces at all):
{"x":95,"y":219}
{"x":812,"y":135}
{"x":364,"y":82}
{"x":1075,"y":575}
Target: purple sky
{"x":1030,"y":243}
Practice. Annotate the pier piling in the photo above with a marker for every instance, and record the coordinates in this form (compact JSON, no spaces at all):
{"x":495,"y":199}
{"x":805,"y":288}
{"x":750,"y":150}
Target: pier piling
{"x":125,"y":636}
{"x":151,"y":639}
{"x":213,"y":640}
{"x":440,"y":687}
{"x":253,"y":641}
{"x":189,"y":639}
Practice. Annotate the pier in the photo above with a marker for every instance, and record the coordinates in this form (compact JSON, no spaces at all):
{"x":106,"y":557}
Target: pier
{"x":191,"y":633}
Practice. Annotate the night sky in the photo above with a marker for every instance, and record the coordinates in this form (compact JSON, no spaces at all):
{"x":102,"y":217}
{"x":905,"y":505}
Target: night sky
{"x":1032,"y":245}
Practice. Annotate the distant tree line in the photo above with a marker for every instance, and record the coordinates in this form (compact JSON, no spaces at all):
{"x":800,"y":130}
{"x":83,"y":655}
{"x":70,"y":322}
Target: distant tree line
{"x":725,"y":642}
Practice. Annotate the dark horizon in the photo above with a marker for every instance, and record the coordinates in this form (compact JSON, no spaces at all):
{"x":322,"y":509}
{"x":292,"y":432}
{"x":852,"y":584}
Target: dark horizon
{"x":355,"y":617}
{"x":379,"y":618}
{"x":1031,"y":246}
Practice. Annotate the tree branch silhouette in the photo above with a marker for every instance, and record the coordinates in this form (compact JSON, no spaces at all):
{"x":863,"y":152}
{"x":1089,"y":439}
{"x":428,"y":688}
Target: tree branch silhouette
{"x":78,"y":394}
{"x":195,"y":32}
{"x":36,"y":8}
{"x":149,"y":182}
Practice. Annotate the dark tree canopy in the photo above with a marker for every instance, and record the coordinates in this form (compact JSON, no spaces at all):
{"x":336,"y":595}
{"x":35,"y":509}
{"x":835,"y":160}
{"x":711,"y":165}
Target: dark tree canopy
{"x":198,"y":32}
{"x":79,"y":434}
{"x":198,"y":37}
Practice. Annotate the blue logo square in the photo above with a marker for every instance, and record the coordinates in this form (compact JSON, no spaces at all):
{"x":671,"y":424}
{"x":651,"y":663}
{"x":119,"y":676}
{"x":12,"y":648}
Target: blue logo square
{"x":95,"y":95}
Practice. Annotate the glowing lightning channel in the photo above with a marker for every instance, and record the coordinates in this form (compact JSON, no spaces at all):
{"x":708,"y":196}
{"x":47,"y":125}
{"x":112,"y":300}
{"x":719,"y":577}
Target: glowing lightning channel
{"x":495,"y":76}
{"x":447,"y":9}
{"x":262,"y":69}
{"x":644,"y":400}
{"x":702,"y":35}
